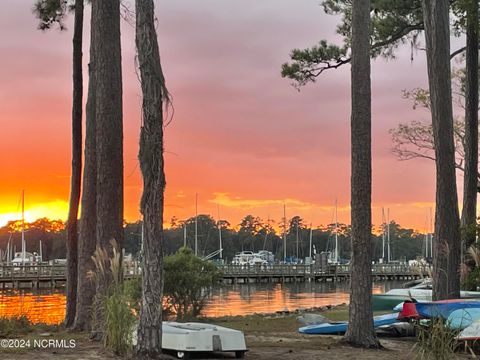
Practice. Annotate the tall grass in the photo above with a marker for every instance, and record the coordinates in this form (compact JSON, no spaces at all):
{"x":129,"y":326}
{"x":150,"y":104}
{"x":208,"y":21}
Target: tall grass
{"x":436,"y":341}
{"x":113,"y":318}
{"x":119,"y":323}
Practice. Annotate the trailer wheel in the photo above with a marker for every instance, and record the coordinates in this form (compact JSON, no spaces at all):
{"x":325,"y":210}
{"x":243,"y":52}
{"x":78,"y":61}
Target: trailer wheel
{"x":183,"y":355}
{"x":239,"y":354}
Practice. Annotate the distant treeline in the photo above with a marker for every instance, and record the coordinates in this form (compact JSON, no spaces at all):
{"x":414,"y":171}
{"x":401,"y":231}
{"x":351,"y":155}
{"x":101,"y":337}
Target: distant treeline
{"x":252,"y":233}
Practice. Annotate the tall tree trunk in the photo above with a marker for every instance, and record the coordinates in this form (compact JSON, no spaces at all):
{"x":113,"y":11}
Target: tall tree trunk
{"x":360,"y":331}
{"x":87,"y":237}
{"x":447,"y":249}
{"x":88,"y":218}
{"x":75,"y":183}
{"x":469,"y":210}
{"x":109,"y":123}
{"x":152,"y":165}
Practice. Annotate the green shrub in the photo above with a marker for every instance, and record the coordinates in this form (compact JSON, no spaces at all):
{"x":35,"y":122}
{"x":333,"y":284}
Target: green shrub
{"x":188,"y":280}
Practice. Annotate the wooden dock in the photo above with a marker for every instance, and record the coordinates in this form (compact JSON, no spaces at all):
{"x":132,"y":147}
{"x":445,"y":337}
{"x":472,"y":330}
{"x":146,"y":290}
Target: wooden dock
{"x":241,"y":274}
{"x":42,"y":276}
{"x":54,"y":276}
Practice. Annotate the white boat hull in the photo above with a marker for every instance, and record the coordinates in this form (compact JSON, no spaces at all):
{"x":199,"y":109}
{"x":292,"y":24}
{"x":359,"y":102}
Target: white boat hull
{"x":199,"y":337}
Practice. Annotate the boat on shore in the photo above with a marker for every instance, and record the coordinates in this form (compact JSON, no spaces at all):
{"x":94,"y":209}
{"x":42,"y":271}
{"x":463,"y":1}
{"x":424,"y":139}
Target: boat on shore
{"x":421,"y":292}
{"x":463,"y":318}
{"x":444,"y":308}
{"x":187,"y":338}
{"x":340,"y":327}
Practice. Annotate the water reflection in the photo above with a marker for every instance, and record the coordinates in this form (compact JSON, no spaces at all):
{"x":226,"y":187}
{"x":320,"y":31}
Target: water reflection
{"x":268,"y":298}
{"x":49,"y":307}
{"x":41,"y":307}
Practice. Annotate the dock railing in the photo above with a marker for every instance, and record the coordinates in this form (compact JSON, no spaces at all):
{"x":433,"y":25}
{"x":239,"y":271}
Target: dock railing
{"x":45,"y":271}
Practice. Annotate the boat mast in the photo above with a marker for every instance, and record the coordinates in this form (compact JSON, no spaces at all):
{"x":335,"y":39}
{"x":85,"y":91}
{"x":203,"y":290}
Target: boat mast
{"x":426,"y":238}
{"x":9,"y":249}
{"x":266,"y":233}
{"x":383,"y":235}
{"x":23,"y":229}
{"x":336,"y":232}
{"x":219,"y":232}
{"x":196,"y":224}
{"x":284,"y":234}
{"x":388,"y":235}
{"x":310,"y":247}
{"x":297,"y":238}
{"x":431,"y":233}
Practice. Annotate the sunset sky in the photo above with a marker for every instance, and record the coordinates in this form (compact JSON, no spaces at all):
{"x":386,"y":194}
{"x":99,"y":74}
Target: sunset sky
{"x":241,"y":136}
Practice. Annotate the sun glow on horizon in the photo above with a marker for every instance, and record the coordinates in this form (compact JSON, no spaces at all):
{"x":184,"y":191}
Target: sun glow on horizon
{"x":57,"y":209}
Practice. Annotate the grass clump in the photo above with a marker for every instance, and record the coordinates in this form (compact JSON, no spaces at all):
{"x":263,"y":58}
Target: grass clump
{"x":10,"y":327}
{"x":436,"y":341}
{"x":113,"y":316}
{"x":119,"y":322}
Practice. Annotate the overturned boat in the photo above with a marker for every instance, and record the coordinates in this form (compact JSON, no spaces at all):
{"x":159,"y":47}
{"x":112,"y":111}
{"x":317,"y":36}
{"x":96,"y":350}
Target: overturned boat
{"x":340,"y":327}
{"x":421,"y":292}
{"x":186,"y":338}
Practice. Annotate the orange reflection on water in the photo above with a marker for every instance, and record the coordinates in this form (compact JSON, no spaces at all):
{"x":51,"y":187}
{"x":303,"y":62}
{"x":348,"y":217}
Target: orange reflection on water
{"x":38,"y":308}
{"x":245,"y":299}
{"x":49,"y":308}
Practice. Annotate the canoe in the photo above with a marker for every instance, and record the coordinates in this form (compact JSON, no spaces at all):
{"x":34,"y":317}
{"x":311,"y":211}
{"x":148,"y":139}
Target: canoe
{"x":340,"y":327}
{"x":444,"y":308}
{"x":463,"y":318}
{"x":471,"y":332}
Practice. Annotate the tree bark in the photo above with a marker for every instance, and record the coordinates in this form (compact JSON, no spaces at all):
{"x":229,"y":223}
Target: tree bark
{"x":360,"y":331}
{"x":470,"y":181}
{"x":152,"y":166}
{"x":447,"y":248}
{"x":76,"y":178}
{"x":109,"y":124}
{"x":87,"y":236}
{"x":88,"y":218}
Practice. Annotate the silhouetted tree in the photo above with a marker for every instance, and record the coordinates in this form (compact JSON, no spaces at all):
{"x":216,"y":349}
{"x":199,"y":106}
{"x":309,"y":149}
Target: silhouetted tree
{"x":52,"y":12}
{"x":360,"y":330}
{"x":155,"y":96}
{"x":446,"y":255}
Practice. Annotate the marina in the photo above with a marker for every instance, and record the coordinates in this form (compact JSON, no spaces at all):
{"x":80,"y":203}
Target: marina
{"x":54,"y":275}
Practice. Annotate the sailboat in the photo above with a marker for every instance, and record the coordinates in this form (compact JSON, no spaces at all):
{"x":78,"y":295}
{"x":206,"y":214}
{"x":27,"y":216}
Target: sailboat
{"x":24,"y":257}
{"x":333,"y":257}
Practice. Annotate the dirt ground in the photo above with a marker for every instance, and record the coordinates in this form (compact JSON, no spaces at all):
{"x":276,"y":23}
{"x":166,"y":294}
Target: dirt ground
{"x":267,"y":338}
{"x":276,"y":346}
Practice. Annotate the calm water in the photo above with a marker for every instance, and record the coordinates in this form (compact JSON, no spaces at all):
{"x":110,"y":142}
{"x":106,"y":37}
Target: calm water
{"x":49,"y":307}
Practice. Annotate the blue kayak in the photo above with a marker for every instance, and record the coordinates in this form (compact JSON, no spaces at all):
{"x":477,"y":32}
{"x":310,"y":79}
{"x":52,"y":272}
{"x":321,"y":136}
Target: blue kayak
{"x":444,"y":308}
{"x":340,"y":327}
{"x":463,"y":318}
